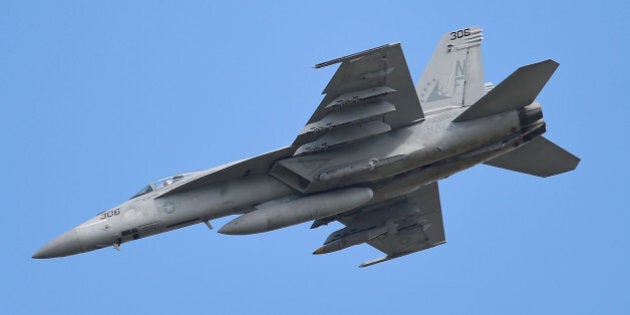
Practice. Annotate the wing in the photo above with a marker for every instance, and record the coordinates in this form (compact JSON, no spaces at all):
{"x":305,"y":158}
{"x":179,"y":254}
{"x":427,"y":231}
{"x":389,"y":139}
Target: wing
{"x":253,"y":166}
{"x":371,"y":93}
{"x":397,"y":227}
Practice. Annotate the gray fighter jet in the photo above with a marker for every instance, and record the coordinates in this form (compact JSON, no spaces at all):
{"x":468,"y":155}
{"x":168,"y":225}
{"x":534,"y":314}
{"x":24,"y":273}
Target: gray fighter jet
{"x":370,"y":157}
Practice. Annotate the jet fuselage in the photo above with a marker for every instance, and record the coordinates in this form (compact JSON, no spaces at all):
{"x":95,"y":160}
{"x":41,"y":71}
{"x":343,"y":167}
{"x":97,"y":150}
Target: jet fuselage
{"x":420,"y":160}
{"x":369,"y":157}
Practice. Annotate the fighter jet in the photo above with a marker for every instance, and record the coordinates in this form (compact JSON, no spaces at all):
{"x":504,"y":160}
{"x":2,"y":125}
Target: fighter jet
{"x":370,"y":157}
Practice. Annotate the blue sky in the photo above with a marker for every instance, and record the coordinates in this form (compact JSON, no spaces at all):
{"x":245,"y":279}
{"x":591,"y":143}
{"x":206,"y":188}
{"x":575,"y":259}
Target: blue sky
{"x":100,"y":98}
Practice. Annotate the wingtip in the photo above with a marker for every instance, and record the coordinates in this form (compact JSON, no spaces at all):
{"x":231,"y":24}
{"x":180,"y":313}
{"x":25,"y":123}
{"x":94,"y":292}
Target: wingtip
{"x":375,"y":261}
{"x":354,"y":56}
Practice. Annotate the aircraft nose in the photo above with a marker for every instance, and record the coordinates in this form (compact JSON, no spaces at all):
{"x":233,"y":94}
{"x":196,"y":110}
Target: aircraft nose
{"x":64,"y":245}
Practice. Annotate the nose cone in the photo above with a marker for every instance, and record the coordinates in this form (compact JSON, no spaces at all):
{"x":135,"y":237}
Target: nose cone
{"x":64,"y":245}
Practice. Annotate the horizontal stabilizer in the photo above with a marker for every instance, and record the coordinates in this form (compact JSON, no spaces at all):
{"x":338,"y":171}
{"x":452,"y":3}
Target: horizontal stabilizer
{"x":540,"y":157}
{"x":518,"y":90}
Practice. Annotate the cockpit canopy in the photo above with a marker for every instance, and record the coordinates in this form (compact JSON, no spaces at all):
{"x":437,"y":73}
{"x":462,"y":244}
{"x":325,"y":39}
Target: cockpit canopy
{"x":162,"y":183}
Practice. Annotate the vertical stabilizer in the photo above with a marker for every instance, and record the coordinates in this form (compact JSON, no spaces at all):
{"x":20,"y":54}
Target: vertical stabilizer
{"x":454,"y":76}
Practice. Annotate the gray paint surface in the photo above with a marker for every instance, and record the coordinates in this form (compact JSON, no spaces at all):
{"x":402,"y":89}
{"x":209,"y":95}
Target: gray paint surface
{"x":369,"y":157}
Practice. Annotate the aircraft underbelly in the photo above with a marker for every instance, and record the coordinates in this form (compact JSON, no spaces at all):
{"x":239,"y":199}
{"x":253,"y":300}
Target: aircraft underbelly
{"x":385,"y":156}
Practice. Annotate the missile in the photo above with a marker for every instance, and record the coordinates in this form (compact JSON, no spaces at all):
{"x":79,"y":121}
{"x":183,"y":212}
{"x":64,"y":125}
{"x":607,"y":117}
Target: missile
{"x":282,"y":214}
{"x":351,"y":240}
